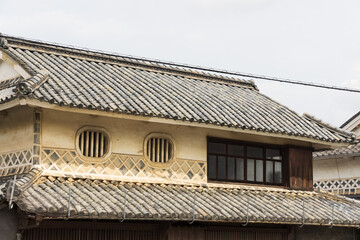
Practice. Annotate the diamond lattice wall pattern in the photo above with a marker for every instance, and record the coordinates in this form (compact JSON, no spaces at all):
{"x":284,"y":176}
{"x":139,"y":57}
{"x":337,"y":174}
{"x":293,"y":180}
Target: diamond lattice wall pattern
{"x":15,"y":162}
{"x":340,"y":186}
{"x":59,"y":162}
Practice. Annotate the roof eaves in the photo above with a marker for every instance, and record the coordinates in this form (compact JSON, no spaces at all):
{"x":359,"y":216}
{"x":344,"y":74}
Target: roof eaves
{"x":350,"y":151}
{"x":329,"y":127}
{"x":350,"y":120}
{"x":336,"y":156}
{"x":139,"y":193}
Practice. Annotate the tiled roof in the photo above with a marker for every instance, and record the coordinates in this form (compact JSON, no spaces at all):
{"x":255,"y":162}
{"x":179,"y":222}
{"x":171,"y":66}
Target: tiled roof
{"x":352,"y":150}
{"x":350,"y":119}
{"x":72,"y":77}
{"x":49,"y":197}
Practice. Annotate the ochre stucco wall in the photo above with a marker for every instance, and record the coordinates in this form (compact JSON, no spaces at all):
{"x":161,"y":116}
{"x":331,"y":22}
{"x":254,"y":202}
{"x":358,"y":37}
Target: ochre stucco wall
{"x":16,"y":129}
{"x":59,"y":131}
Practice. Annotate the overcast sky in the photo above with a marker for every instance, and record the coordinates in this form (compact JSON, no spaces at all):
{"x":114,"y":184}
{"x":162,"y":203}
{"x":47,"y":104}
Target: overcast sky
{"x":313,"y":41}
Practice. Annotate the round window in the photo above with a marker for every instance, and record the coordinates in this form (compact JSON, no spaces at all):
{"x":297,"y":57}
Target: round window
{"x":93,"y":142}
{"x":159,"y":147}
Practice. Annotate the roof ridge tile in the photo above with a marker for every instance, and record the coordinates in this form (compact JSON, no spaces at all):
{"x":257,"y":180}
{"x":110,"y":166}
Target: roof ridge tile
{"x":135,"y":61}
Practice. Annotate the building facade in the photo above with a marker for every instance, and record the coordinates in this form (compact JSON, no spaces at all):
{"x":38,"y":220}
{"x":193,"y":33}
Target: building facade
{"x":101,"y":146}
{"x":338,"y":171}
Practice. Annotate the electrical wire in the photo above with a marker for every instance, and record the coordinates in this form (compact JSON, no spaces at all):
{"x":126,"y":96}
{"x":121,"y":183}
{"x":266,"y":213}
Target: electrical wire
{"x":195,"y":67}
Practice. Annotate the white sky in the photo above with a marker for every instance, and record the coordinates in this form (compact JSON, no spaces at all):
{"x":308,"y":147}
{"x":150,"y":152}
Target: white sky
{"x":307,"y":40}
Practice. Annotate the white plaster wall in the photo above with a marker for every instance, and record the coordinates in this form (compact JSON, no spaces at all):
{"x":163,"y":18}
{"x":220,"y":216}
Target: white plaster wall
{"x":336,"y":168}
{"x":16,"y":129}
{"x":7,"y":71}
{"x":59,"y":129}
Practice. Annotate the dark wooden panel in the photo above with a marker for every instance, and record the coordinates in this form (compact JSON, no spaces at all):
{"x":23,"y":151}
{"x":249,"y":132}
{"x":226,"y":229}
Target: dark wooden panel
{"x":246,"y":234}
{"x":186,"y":233}
{"x":73,"y":230}
{"x":90,"y":231}
{"x":300,"y":168}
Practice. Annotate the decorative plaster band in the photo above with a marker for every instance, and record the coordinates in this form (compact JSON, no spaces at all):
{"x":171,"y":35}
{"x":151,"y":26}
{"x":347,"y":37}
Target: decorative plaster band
{"x":17,"y":162}
{"x":339,"y":186}
{"x":67,"y":163}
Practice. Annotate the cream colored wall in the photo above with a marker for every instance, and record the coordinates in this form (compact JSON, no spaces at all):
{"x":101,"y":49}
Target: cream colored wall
{"x":16,"y":129}
{"x":7,"y":71}
{"x":357,"y":131}
{"x":336,"y":168}
{"x":9,"y":68}
{"x":59,"y":130}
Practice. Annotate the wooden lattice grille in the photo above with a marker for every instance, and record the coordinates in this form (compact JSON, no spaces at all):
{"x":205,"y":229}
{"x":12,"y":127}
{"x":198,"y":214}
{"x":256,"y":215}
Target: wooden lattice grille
{"x":159,"y":149}
{"x":93,"y":143}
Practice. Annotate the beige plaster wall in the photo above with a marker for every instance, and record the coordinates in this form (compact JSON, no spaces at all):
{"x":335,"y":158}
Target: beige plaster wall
{"x":336,"y":168}
{"x":7,"y":71}
{"x":9,"y":68}
{"x":357,"y":131}
{"x":59,"y":131}
{"x":16,"y":129}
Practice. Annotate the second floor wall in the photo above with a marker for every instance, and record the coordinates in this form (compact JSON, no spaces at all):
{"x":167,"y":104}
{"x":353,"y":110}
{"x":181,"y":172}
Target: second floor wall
{"x":60,"y":132}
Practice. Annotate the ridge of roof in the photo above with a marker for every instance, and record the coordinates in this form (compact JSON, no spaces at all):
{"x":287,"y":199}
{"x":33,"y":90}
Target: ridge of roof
{"x":7,"y":41}
{"x":327,"y":125}
{"x":350,"y":119}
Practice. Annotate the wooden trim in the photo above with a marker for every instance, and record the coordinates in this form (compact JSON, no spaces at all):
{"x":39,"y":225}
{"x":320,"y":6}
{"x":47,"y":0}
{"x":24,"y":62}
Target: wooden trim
{"x":300,"y":168}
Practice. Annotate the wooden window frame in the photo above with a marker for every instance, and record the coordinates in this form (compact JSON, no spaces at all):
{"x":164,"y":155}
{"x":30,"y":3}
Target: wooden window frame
{"x":282,"y":149}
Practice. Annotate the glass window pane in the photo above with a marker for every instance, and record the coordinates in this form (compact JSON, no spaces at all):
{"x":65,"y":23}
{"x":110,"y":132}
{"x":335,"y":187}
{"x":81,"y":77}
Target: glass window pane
{"x":219,"y":148}
{"x":269,"y":171}
{"x":231,"y":168}
{"x":250,"y":170}
{"x":259,"y":170}
{"x":236,"y":150}
{"x":212,"y":166}
{"x":221,"y":167}
{"x":255,"y":152}
{"x":277,"y":172}
{"x":273,"y":154}
{"x":239,"y":169}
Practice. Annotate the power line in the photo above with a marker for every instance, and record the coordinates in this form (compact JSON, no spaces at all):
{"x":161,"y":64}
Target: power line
{"x":262,"y":77}
{"x":200,"y":68}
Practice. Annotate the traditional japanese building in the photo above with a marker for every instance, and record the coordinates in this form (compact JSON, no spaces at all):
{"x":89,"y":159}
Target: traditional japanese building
{"x":102,"y":146}
{"x":338,"y":171}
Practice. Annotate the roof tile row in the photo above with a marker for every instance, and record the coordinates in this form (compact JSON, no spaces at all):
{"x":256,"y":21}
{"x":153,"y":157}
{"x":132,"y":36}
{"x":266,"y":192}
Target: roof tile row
{"x":84,"y":79}
{"x":49,"y":197}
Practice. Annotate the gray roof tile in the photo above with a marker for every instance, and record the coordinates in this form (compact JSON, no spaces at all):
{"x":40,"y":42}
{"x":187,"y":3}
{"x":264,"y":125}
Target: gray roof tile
{"x":100,"y":199}
{"x":85,"y":79}
{"x":352,"y":150}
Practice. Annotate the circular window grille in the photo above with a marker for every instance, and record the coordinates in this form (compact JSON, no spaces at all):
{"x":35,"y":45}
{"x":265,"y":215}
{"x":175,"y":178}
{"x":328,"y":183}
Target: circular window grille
{"x":93,"y":143}
{"x":159,"y":148}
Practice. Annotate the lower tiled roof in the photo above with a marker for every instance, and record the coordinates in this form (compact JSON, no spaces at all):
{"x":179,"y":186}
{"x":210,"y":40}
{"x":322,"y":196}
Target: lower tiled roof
{"x":352,"y":150}
{"x":50,"y":197}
